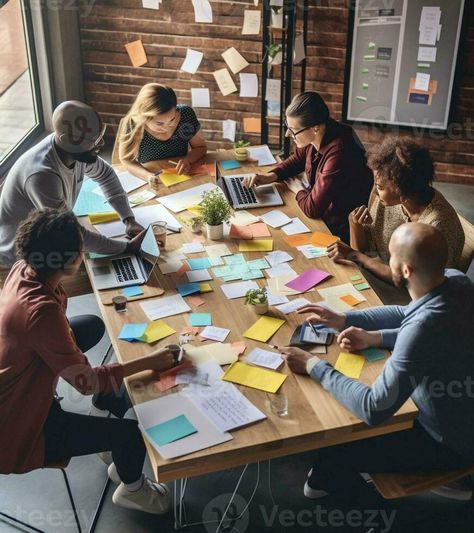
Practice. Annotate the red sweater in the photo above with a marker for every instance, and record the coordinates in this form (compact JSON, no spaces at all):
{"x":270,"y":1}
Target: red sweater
{"x":36,"y":348}
{"x":338,"y":175}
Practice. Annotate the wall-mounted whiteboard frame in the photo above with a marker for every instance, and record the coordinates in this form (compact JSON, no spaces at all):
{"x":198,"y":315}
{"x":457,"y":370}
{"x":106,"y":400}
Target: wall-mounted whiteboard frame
{"x":383,"y":62}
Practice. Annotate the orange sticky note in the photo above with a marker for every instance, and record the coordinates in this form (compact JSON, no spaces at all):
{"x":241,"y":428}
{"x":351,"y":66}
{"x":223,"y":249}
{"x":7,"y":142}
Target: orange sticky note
{"x":298,"y":240}
{"x":197,"y":301}
{"x":240,"y":232}
{"x":137,"y":53}
{"x":323,"y":239}
{"x":252,"y":125}
{"x":239,"y":347}
{"x":260,"y":229}
{"x":189,"y":330}
{"x":349,"y":299}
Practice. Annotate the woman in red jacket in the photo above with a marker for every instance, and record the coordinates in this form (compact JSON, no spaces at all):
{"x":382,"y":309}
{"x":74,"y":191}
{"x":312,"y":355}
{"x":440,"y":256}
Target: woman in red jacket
{"x":333,"y":158}
{"x":38,"y":345}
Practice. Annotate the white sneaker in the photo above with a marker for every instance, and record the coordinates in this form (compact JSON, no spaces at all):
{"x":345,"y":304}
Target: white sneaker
{"x":457,"y":490}
{"x":151,"y":498}
{"x":106,"y":457}
{"x":113,"y":474}
{"x":309,"y":492}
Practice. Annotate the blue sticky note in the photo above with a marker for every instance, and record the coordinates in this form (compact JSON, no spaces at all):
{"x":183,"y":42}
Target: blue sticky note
{"x":373,"y":354}
{"x":236,"y":259}
{"x":252,"y":274}
{"x":199,"y":263}
{"x":185,"y":289}
{"x":89,"y":202}
{"x":175,"y":429}
{"x":132,"y":332}
{"x":230,"y":164}
{"x":200,"y":319}
{"x":129,"y":292}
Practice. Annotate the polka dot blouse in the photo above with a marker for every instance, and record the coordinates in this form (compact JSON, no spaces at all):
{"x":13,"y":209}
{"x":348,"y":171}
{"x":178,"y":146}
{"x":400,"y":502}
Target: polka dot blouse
{"x":152,"y":149}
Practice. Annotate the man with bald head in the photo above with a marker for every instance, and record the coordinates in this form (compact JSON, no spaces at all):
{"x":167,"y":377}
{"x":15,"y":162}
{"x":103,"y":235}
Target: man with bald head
{"x":51,"y":174}
{"x":432,"y":361}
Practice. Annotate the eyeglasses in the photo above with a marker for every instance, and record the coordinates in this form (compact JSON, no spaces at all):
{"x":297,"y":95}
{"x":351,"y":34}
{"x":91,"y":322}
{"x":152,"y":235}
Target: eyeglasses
{"x":99,"y":140}
{"x":295,"y":133}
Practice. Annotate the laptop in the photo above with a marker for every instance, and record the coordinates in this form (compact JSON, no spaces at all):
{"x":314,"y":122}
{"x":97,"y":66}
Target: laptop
{"x":239,"y":197}
{"x":124,"y":270}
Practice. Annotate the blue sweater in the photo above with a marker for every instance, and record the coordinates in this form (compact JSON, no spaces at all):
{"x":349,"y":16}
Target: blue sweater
{"x":432,"y":362}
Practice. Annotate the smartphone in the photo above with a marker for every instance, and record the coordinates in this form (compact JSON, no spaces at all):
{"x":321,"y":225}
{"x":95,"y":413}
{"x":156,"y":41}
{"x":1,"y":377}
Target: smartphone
{"x":311,"y":335}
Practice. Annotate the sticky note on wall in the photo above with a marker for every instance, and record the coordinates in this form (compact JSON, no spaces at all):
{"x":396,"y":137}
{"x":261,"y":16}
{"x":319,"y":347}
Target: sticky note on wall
{"x":136,"y":53}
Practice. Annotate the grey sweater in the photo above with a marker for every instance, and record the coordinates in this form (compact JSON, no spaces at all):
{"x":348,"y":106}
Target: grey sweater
{"x":40,"y":179}
{"x":432,"y":361}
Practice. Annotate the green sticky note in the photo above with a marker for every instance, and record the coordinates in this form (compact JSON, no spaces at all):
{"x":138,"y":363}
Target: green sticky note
{"x":371,"y":46}
{"x":362,"y":286}
{"x":369,"y":57}
{"x":361,"y":98}
{"x":373,"y":354}
{"x":172,"y":430}
{"x":356,"y":277}
{"x":236,"y":259}
{"x":365,"y":85}
{"x":232,"y":277}
{"x":200,"y":319}
{"x":365,"y":71}
{"x":257,"y":264}
{"x":424,"y":65}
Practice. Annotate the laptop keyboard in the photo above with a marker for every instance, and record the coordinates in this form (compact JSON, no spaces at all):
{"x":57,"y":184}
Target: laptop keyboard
{"x":124,"y":269}
{"x":243,"y":195}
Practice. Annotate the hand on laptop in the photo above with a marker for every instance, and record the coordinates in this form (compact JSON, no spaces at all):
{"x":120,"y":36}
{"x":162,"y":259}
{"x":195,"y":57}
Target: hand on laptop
{"x":133,"y":245}
{"x":259,"y":179}
{"x":132,"y":227}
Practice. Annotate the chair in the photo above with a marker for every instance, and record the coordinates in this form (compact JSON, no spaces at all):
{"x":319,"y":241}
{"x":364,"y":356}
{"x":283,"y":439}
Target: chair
{"x":391,"y":486}
{"x":468,"y":251}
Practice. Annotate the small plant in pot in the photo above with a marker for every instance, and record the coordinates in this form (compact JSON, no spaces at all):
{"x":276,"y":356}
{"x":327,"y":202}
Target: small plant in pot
{"x":240,"y":150}
{"x":215,"y":210}
{"x":258,"y":298}
{"x":195,"y":223}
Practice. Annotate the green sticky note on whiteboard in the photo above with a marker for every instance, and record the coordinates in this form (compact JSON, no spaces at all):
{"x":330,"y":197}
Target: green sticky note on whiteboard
{"x":172,"y":430}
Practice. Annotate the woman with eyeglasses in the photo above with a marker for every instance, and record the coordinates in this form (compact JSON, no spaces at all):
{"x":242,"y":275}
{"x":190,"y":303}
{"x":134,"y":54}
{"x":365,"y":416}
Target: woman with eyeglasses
{"x":157,"y":127}
{"x":333,"y":158}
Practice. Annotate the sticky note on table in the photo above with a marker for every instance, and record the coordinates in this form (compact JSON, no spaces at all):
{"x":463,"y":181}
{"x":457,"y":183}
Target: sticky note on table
{"x":200,"y":319}
{"x":323,"y":239}
{"x":256,"y":378}
{"x":205,"y":287}
{"x":132,"y":332}
{"x":349,"y":299}
{"x":350,"y":364}
{"x":136,"y":53}
{"x":264,"y":328}
{"x":257,"y":245}
{"x":374,"y":354}
{"x":100,"y":218}
{"x":298,"y":240}
{"x":199,"y":263}
{"x":186,"y":289}
{"x":170,"y":431}
{"x":230,"y":164}
{"x":362,"y":286}
{"x":196,"y":301}
{"x":356,"y":278}
{"x":156,"y":331}
{"x":308,"y":279}
{"x":169,"y":179}
{"x":130,"y":292}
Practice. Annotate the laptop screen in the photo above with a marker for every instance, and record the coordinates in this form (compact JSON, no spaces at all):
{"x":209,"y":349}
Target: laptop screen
{"x":149,"y":251}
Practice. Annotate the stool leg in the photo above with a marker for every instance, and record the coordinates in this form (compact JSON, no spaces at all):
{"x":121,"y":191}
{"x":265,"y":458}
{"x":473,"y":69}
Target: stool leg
{"x":24,"y":524}
{"x":99,"y":506}
{"x":107,"y":355}
{"x":71,"y":499}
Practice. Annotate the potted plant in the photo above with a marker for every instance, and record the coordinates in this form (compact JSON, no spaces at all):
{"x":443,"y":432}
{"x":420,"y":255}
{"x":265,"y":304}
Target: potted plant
{"x":277,"y":17}
{"x":274,"y":52}
{"x":259,"y":299}
{"x":215,"y":210}
{"x":195,"y":223}
{"x":240,"y":150}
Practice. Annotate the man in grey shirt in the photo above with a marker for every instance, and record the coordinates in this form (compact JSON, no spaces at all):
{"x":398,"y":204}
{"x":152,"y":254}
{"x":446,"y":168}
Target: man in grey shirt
{"x":432,"y":362}
{"x":51,"y":174}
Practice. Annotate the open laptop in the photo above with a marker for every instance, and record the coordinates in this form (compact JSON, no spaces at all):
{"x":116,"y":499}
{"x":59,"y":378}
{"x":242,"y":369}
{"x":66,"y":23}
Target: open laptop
{"x":123,"y":270}
{"x":239,"y":197}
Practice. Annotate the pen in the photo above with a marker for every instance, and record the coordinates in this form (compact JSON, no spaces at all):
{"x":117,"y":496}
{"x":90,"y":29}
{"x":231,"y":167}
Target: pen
{"x":180,"y":356}
{"x":173,"y":162}
{"x":273,"y":346}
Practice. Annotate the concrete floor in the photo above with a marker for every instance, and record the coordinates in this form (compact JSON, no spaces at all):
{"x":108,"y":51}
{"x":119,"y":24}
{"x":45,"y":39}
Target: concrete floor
{"x":278,"y":504}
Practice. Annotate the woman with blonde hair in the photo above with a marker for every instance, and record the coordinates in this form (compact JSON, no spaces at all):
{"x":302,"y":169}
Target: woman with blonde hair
{"x":157,"y":127}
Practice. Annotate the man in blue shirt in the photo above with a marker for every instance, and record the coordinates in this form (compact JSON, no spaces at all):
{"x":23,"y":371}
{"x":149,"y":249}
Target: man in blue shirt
{"x":432,"y":362}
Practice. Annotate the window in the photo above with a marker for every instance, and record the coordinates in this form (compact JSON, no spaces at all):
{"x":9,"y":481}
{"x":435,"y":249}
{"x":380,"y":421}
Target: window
{"x":20,"y":105}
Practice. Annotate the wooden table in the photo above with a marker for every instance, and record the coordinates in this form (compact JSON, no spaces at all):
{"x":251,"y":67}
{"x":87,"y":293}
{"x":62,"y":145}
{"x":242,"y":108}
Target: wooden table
{"x":314,"y":420}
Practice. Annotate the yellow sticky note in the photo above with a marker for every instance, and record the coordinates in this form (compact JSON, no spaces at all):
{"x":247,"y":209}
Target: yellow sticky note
{"x":156,"y":331}
{"x":195,"y":210}
{"x":264,"y":328}
{"x":173,"y":179}
{"x":256,"y":378}
{"x":349,"y":299}
{"x":205,"y":287}
{"x":350,"y":364}
{"x":256,"y":245}
{"x":99,"y":218}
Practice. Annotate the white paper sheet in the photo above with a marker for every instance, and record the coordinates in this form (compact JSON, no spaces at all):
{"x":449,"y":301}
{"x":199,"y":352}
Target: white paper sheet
{"x":238,"y":290}
{"x":265,"y":358}
{"x":192,"y":61}
{"x":273,"y":93}
{"x":192,"y":247}
{"x":198,"y":275}
{"x":228,"y":129}
{"x":144,"y":215}
{"x":151,"y":4}
{"x":275,"y":218}
{"x":275,"y":299}
{"x":252,"y":22}
{"x":179,"y":201}
{"x":299,"y":53}
{"x":235,"y":60}
{"x":215,"y":333}
{"x":243,"y":218}
{"x":427,"y":53}
{"x":283,"y":269}
{"x":165,"y":306}
{"x":200,"y":97}
{"x":295,"y":226}
{"x":262,"y":154}
{"x":293,"y":305}
{"x":140,"y":197}
{"x":217,"y":250}
{"x":277,"y":257}
{"x":224,"y":81}
{"x":154,"y":412}
{"x":129,"y":183}
{"x":202,"y":11}
{"x":248,"y":85}
{"x":422,"y":82}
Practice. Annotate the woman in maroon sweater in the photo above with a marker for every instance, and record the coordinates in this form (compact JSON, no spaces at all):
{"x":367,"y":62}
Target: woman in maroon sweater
{"x":333,"y":158}
{"x":38,"y":345}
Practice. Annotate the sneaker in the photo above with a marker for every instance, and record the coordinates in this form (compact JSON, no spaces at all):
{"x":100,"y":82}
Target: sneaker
{"x":457,"y":490}
{"x":152,"y":498}
{"x":113,"y":474}
{"x":309,"y":492}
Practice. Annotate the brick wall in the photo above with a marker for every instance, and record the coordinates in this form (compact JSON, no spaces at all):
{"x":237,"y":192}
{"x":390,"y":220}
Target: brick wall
{"x":111,"y":82}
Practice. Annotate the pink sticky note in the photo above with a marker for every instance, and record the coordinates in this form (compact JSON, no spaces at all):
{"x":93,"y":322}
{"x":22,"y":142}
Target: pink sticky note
{"x":308,"y":279}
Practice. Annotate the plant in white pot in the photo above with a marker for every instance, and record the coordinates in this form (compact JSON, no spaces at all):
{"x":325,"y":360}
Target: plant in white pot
{"x":259,"y":299}
{"x":215,"y":210}
{"x":241,"y":150}
{"x":194,"y":222}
